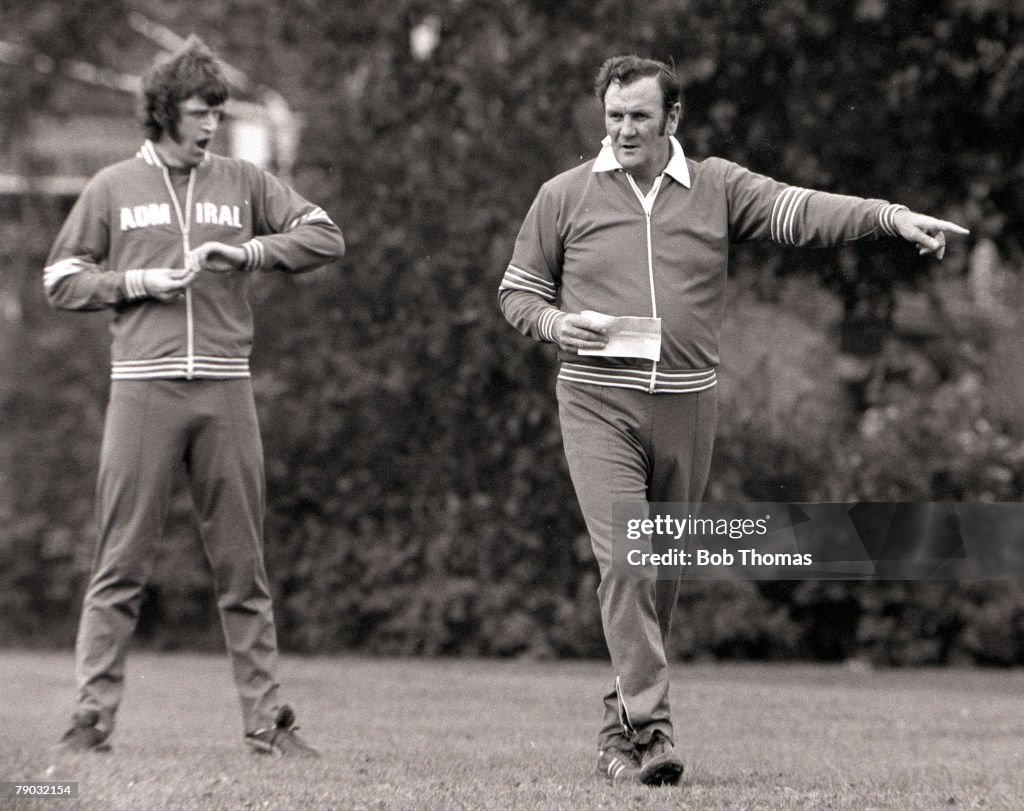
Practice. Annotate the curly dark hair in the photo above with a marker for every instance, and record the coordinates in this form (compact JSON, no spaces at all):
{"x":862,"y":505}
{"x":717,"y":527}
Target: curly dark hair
{"x":191,"y":71}
{"x":626,"y":69}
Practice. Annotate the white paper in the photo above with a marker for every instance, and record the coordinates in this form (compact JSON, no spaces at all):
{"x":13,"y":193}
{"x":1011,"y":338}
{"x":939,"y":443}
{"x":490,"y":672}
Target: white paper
{"x":629,"y":336}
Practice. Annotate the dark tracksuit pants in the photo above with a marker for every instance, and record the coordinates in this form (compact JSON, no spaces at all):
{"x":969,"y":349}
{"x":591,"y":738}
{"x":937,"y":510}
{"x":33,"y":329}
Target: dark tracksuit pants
{"x":152,"y":427}
{"x":624,"y":445}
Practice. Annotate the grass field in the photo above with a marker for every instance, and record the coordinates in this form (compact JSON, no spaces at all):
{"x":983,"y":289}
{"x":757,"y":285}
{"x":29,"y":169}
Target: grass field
{"x":490,"y":734}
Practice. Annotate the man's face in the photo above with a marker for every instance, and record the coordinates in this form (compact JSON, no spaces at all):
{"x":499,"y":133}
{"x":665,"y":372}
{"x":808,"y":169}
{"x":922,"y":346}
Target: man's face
{"x":639,"y":127}
{"x":197,"y":124}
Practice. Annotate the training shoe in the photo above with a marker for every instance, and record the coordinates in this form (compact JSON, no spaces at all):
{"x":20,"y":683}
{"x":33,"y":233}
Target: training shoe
{"x":282,"y":738}
{"x":85,"y":734}
{"x":659,"y":763}
{"x":618,"y":765}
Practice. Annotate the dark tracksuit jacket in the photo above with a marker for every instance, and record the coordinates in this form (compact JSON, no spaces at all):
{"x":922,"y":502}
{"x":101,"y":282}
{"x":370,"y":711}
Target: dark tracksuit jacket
{"x":129,"y":218}
{"x":587,"y":243}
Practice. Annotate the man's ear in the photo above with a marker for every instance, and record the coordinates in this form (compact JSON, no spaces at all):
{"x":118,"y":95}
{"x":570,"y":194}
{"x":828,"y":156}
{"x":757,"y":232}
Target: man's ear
{"x":675,"y":115}
{"x":167,"y":117}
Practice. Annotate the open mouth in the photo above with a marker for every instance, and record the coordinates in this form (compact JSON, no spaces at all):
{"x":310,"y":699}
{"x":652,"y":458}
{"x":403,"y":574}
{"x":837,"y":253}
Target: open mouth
{"x":202,"y":143}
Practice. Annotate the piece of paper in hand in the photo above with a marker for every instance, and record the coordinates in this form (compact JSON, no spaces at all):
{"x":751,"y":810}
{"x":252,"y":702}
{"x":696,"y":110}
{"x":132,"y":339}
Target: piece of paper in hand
{"x":629,"y":336}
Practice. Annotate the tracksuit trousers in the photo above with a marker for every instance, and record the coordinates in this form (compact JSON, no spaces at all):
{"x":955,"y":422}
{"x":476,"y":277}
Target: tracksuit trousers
{"x":624,"y":445}
{"x":152,"y":427}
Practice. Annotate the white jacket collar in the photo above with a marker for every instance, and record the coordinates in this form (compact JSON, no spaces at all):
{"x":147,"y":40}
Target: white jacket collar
{"x":676,"y":167}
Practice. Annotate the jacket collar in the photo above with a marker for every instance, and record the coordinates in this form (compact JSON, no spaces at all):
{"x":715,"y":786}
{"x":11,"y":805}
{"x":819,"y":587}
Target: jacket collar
{"x":676,"y":167}
{"x":149,"y":154}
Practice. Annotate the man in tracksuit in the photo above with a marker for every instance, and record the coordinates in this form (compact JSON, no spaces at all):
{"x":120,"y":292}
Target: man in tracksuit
{"x":644,"y":231}
{"x":168,"y":242}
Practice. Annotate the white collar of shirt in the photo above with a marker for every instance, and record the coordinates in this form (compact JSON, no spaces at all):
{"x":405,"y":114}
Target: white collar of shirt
{"x":676,"y":167}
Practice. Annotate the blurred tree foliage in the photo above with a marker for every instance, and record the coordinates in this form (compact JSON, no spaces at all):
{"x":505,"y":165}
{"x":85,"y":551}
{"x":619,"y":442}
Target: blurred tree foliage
{"x":419,"y":502}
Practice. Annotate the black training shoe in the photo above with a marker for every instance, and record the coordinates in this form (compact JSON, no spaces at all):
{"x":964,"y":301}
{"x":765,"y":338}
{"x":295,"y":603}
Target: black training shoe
{"x":659,"y":763}
{"x":282,"y":738}
{"x":618,"y":765}
{"x":85,"y":734}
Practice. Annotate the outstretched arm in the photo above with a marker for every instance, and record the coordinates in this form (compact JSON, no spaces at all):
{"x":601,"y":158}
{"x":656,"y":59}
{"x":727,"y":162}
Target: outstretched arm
{"x":763,"y":208}
{"x":928,"y":233}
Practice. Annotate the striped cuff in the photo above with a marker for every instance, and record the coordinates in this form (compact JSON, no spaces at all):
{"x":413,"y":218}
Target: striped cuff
{"x":546,"y":323}
{"x":887,"y":218}
{"x":255,"y":254}
{"x":135,"y":284}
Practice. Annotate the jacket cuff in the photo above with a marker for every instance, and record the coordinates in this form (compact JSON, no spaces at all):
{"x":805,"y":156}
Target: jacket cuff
{"x":548,"y":321}
{"x":255,"y":254}
{"x":887,"y":218}
{"x":135,"y":284}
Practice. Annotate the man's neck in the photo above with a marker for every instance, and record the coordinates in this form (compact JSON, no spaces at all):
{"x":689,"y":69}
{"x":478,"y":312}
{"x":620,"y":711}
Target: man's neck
{"x":647,"y":180}
{"x":169,"y":159}
{"x":644,"y":183}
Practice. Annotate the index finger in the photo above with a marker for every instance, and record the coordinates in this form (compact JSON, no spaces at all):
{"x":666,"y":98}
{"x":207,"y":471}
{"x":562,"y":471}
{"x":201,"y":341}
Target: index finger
{"x":946,"y":225}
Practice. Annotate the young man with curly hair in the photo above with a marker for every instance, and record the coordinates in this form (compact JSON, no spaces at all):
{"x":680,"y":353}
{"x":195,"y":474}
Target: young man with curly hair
{"x":167,"y":242}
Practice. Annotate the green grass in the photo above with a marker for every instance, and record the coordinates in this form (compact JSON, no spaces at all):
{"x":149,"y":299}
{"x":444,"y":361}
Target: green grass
{"x":404,"y":733}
